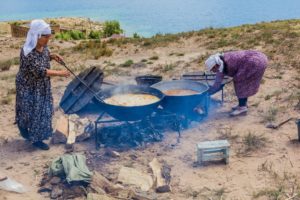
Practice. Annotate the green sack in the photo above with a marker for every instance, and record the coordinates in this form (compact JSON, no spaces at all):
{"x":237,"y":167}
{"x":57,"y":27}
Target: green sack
{"x":72,"y":166}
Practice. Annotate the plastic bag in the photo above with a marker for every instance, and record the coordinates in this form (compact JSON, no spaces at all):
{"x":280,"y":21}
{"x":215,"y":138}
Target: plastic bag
{"x":11,"y":185}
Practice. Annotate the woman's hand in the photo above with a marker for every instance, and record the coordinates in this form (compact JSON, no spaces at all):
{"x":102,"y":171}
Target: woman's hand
{"x":64,"y":73}
{"x":56,"y":57}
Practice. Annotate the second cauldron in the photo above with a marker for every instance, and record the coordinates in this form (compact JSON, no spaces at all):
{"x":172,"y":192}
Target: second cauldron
{"x":183,"y":103}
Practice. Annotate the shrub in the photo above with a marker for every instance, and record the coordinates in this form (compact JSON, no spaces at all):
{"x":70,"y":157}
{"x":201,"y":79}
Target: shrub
{"x":168,"y":67}
{"x":97,"y":53}
{"x":77,"y":35}
{"x":154,"y":58}
{"x":70,"y":35}
{"x":111,"y":27}
{"x":270,"y":115}
{"x":6,"y":64}
{"x":135,"y":35}
{"x":94,"y":47}
{"x":95,"y":34}
{"x":127,"y":63}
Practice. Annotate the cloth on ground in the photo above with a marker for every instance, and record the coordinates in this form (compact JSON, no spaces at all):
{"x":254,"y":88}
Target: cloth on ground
{"x":72,"y":166}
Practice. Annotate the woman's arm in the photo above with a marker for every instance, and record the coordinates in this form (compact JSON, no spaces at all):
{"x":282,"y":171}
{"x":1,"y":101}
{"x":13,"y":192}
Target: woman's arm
{"x":217,"y":84}
{"x":63,"y":73}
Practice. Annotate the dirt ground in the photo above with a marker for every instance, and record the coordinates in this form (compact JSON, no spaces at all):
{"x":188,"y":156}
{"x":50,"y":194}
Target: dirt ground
{"x":264,"y":163}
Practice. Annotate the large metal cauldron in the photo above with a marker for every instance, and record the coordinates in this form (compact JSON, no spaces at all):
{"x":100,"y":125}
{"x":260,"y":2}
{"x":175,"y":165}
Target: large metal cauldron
{"x":183,"y":104}
{"x":129,"y":113}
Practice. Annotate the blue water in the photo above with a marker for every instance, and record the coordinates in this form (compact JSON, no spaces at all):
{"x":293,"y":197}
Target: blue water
{"x":148,"y":17}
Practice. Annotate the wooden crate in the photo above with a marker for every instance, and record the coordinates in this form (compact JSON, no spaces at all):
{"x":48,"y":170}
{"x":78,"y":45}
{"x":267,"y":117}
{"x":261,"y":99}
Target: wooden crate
{"x":213,"y":150}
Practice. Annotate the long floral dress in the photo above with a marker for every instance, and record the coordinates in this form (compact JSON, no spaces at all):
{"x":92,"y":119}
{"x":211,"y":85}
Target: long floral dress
{"x":247,"y":68}
{"x":34,"y":102}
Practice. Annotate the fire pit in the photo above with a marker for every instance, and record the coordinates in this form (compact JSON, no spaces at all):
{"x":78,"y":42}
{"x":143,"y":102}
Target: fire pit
{"x":150,"y":129}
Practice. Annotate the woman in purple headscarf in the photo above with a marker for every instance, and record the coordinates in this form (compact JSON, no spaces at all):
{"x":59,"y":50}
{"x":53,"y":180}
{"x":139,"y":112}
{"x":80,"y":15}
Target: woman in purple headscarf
{"x":246,"y":67}
{"x":34,"y":103}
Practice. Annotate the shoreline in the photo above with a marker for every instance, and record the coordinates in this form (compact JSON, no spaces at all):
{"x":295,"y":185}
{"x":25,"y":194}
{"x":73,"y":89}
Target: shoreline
{"x":154,"y":34}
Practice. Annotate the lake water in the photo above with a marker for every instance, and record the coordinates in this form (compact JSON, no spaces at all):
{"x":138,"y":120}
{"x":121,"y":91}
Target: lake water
{"x":148,"y":17}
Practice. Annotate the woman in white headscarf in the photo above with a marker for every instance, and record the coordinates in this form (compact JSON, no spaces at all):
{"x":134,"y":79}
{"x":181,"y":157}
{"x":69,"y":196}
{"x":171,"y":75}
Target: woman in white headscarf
{"x":34,"y":103}
{"x":246,"y":67}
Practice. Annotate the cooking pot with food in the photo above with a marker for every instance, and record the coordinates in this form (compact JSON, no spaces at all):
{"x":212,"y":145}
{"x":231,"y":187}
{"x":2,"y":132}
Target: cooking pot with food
{"x":130,"y":102}
{"x":183,"y":96}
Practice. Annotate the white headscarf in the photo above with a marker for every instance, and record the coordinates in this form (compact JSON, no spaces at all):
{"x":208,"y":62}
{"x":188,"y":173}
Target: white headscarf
{"x":214,"y":60}
{"x":38,"y":27}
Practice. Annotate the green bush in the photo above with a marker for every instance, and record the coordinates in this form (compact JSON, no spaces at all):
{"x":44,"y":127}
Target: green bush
{"x":70,"y":35}
{"x":111,"y":27}
{"x":127,"y":63}
{"x":135,"y":35}
{"x":77,"y":35}
{"x":95,"y":34}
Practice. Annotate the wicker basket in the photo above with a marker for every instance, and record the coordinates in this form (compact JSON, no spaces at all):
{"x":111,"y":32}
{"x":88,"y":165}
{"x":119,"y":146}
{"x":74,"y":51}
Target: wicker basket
{"x":21,"y":30}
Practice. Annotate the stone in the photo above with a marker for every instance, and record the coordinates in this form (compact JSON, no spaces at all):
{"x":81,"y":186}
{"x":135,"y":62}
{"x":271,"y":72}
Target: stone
{"x":134,"y":177}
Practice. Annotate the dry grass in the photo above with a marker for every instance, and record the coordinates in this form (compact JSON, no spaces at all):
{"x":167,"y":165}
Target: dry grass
{"x":226,"y":133}
{"x":7,"y":100}
{"x":206,"y":193}
{"x":167,"y":67}
{"x":283,"y":187}
{"x":6,"y":64}
{"x":270,"y":115}
{"x":251,"y":143}
{"x":94,"y":48}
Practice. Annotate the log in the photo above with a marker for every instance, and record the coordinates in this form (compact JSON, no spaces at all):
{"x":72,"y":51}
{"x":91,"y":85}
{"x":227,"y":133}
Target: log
{"x":161,"y":184}
{"x":101,"y":185}
{"x":61,"y":132}
{"x":72,"y":134}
